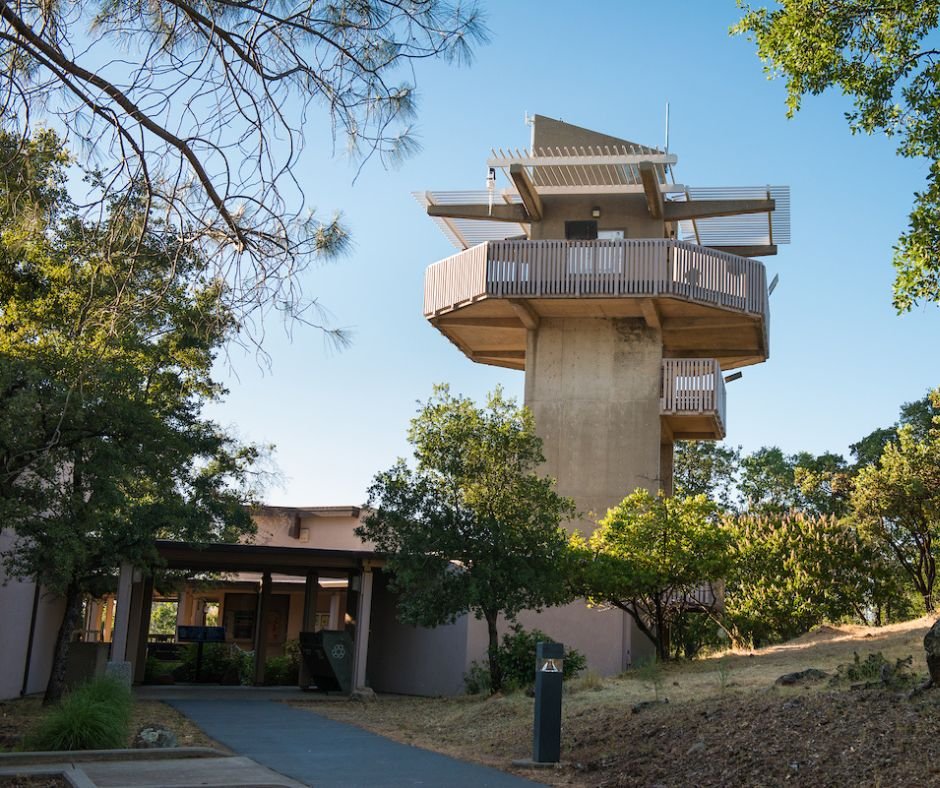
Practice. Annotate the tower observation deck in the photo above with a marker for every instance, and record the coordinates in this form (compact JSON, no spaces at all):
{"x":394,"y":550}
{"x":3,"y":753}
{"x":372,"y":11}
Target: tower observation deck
{"x":623,"y":295}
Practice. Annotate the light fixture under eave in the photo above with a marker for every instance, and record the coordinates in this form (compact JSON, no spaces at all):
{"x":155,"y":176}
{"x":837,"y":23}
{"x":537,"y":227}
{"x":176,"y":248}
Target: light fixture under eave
{"x":773,"y":284}
{"x":734,"y":376}
{"x":596,"y":213}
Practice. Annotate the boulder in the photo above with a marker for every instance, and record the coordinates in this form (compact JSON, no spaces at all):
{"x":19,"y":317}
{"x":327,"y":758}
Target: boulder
{"x":932,"y":647}
{"x":152,"y":737}
{"x":808,"y":676}
{"x":648,"y":704}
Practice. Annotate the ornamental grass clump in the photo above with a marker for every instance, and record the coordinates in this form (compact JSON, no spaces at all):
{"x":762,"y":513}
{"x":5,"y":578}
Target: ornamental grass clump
{"x":94,"y":716}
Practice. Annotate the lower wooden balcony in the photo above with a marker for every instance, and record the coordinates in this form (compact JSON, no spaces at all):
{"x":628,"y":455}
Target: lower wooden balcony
{"x":692,"y":403}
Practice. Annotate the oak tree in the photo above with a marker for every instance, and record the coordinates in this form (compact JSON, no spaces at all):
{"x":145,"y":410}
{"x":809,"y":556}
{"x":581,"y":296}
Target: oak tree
{"x":103,"y":445}
{"x":885,"y":57}
{"x":472,"y":527}
{"x":203,"y":109}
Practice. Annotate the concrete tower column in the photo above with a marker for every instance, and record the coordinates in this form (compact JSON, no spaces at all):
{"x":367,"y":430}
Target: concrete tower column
{"x":593,"y":386}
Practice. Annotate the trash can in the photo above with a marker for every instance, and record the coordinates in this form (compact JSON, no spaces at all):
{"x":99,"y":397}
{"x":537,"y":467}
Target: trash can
{"x":328,"y":657}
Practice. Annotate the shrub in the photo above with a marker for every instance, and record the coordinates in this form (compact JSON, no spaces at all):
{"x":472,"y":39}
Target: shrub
{"x":516,"y":658}
{"x":281,"y":671}
{"x":94,"y":716}
{"x":219,"y":661}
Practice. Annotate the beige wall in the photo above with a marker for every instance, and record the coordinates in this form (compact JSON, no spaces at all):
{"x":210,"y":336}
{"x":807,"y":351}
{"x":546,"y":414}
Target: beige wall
{"x":16,"y":605}
{"x":412,"y":660}
{"x":325,"y":532}
{"x":626,"y":212}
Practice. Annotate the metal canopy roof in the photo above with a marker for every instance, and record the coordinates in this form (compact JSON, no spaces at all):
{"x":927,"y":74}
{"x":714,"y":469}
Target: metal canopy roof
{"x":464,"y":233}
{"x":611,"y":166}
{"x":584,"y":169}
{"x":756,"y":229}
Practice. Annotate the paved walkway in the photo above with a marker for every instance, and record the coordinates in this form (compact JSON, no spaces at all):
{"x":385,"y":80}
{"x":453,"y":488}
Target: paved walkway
{"x":325,"y":753}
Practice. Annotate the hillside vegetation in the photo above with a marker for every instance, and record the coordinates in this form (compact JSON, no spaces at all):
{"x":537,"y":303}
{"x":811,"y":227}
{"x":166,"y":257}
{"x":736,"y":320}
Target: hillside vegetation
{"x":726,"y":722}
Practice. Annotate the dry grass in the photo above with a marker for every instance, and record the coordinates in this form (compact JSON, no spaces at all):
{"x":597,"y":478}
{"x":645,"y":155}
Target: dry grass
{"x":713,"y":703}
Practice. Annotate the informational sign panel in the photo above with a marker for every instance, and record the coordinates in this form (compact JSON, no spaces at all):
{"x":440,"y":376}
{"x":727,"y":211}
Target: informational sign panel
{"x":190,"y":634}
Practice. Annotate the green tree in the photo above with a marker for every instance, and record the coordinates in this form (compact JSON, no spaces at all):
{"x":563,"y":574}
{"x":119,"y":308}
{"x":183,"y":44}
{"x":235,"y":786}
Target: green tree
{"x":919,"y":415}
{"x":898,"y":502}
{"x":472,"y":528}
{"x":650,"y":556}
{"x":706,"y":468}
{"x":883,"y":56}
{"x":771,"y":481}
{"x":792,"y":571}
{"x":203,"y":109}
{"x":103,"y":447}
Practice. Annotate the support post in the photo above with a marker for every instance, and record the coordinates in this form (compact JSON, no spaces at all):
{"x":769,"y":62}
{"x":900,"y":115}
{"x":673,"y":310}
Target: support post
{"x":182,"y":602}
{"x":334,"y":611}
{"x":308,"y":624}
{"x":122,"y":613}
{"x":361,"y":653}
{"x":119,"y":665}
{"x":143,"y":627}
{"x":261,"y":633}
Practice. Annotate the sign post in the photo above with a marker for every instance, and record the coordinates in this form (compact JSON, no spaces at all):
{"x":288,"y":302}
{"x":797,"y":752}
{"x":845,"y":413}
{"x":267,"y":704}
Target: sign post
{"x":549,"y":660}
{"x":199,"y":635}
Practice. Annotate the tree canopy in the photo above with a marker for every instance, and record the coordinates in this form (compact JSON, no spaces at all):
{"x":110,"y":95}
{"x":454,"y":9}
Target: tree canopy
{"x":650,"y":557}
{"x":885,"y":57}
{"x":202,"y":110}
{"x":103,"y":446}
{"x":472,"y":528}
{"x":898,"y":500}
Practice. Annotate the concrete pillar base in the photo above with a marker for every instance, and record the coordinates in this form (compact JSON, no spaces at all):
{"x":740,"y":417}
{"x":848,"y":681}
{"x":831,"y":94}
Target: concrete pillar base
{"x":119,"y":671}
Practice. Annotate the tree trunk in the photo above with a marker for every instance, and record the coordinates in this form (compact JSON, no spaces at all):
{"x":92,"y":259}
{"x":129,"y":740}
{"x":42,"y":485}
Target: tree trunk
{"x":496,"y":673}
{"x":73,"y":608}
{"x":662,"y":632}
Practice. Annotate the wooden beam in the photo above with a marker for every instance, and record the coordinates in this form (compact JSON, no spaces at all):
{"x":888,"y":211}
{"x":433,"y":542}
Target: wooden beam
{"x":651,"y":314}
{"x":499,"y":213}
{"x":702,"y":323}
{"x":530,"y":197}
{"x":498,"y":362}
{"x":525,"y":313}
{"x":700,"y":436}
{"x":500,"y":354}
{"x":666,"y":430}
{"x":711,"y":353}
{"x":709,"y":209}
{"x":654,"y":195}
{"x":480,"y":322}
{"x":747,"y":251}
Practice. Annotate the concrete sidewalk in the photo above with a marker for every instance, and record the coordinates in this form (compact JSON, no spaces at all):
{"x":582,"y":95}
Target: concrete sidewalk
{"x":144,"y":768}
{"x":318,"y":751}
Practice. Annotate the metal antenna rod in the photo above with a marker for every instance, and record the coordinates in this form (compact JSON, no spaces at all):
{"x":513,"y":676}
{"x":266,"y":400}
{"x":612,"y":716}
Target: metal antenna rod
{"x":667,"y":127}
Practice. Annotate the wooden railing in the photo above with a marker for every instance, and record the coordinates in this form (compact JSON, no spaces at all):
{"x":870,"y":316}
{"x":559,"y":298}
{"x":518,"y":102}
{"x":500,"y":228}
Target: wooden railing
{"x":562,"y":269}
{"x":456,"y":280}
{"x":692,"y":385}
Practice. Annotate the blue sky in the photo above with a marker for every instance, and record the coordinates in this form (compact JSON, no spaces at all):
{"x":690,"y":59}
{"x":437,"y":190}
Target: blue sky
{"x":842,"y":361}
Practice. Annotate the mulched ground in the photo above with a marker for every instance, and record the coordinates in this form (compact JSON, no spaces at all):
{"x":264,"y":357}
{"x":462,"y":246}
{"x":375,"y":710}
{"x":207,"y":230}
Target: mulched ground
{"x":34,"y":782}
{"x":857,"y":738}
{"x":19,"y":716}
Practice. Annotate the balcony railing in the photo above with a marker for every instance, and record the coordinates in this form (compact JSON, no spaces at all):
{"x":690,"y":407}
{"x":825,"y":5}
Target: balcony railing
{"x":605,"y":269}
{"x":693,"y":386}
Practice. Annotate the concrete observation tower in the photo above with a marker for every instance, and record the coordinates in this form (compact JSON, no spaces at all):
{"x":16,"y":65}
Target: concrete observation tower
{"x":623,"y":295}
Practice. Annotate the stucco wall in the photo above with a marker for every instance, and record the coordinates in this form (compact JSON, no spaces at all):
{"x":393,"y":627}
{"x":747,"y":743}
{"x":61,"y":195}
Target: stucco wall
{"x":323,"y":531}
{"x":412,"y":660}
{"x":16,"y":604}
